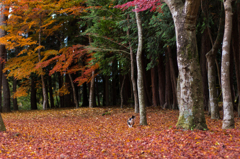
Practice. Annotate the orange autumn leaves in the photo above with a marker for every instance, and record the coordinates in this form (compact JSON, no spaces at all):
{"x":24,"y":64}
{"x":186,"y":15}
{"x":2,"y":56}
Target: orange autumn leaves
{"x":103,"y":133}
{"x":28,"y":18}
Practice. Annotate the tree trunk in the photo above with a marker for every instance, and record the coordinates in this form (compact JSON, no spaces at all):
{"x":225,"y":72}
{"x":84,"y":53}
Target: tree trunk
{"x":106,"y":91}
{"x":173,"y":79}
{"x":92,"y":90}
{"x":114,"y":83}
{"x":74,"y":91}
{"x":238,"y":11}
{"x":33,"y":95}
{"x":205,"y":42}
{"x":15,"y":105}
{"x":161,"y":81}
{"x":154,"y":87}
{"x":134,"y":85}
{"x":142,"y":109}
{"x":121,"y":91}
{"x":39,"y":59}
{"x":60,"y":82}
{"x":6,"y":94}
{"x":2,"y":126}
{"x":191,"y":114}
{"x":50,"y":91}
{"x":228,"y":117}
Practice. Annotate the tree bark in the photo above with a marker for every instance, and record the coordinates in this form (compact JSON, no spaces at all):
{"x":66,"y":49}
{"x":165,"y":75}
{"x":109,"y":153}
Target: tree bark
{"x":142,"y":109}
{"x":39,"y":59}
{"x":228,"y":117}
{"x":2,"y":126}
{"x":92,"y":90}
{"x":134,"y":85}
{"x":205,"y":42}
{"x":191,"y":115}
{"x":85,"y":96}
{"x":238,"y":11}
{"x":6,"y":94}
{"x":74,"y":91}
{"x":121,"y":91}
{"x":168,"y":88}
{"x":154,"y":87}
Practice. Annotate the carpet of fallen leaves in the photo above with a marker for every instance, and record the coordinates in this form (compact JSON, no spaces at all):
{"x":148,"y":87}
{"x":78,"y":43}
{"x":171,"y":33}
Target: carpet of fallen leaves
{"x":103,"y":133}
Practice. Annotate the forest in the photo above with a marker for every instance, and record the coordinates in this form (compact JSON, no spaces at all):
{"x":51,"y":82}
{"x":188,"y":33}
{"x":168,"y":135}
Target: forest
{"x":74,"y":71}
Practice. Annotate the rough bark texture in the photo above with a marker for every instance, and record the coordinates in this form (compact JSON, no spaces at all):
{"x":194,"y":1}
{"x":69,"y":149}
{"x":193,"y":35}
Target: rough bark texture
{"x":92,"y":90}
{"x":142,"y":109}
{"x":191,"y":115}
{"x":228,"y":117}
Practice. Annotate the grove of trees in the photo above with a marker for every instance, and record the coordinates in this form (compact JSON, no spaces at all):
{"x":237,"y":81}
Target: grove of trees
{"x":171,"y":54}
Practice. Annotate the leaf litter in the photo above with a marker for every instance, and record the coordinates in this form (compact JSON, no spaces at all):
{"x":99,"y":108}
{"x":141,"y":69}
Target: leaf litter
{"x":103,"y":133}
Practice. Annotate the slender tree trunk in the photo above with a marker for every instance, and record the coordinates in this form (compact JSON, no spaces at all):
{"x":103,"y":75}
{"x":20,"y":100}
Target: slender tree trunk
{"x":97,"y":92}
{"x":92,"y":90}
{"x":39,"y":59}
{"x":106,"y":93}
{"x":191,"y":114}
{"x":6,"y":94}
{"x":114,"y":83}
{"x":173,"y":79}
{"x":134,"y":85}
{"x":161,"y":81}
{"x":154,"y":87}
{"x":33,"y":94}
{"x":60,"y":82}
{"x":228,"y":117}
{"x":142,"y":109}
{"x":205,"y":42}
{"x":2,"y":126}
{"x":15,"y":105}
{"x":74,"y":91}
{"x":121,"y":91}
{"x":50,"y":91}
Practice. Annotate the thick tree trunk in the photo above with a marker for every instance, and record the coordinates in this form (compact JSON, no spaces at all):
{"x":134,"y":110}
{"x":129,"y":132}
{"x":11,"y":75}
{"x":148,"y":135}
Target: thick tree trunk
{"x":15,"y":105}
{"x":161,"y":81}
{"x":2,"y":126}
{"x":142,"y":109}
{"x":191,"y":115}
{"x":44,"y":91}
{"x":228,"y":117}
{"x":92,"y":90}
{"x":33,"y":95}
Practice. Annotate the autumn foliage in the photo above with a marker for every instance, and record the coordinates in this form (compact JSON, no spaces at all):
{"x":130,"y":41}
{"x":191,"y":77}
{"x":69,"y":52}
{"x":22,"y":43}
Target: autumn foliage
{"x":103,"y":132}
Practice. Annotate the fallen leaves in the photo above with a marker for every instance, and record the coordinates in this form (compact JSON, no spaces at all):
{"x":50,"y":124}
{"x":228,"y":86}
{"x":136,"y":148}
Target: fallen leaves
{"x":86,"y":133}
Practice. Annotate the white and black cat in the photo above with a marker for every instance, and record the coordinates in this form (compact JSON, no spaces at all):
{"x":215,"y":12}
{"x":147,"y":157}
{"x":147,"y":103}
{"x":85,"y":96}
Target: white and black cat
{"x":130,"y":121}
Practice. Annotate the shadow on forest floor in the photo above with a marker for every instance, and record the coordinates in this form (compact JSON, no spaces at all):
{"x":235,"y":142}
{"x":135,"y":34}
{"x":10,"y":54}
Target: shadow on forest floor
{"x":103,"y":132}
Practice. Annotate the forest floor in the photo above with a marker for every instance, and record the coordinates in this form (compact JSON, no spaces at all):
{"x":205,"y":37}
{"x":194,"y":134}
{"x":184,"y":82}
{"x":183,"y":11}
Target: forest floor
{"x":103,"y":133}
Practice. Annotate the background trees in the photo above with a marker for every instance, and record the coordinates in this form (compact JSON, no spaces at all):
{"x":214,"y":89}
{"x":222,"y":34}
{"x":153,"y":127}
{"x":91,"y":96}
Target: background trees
{"x":67,"y":59}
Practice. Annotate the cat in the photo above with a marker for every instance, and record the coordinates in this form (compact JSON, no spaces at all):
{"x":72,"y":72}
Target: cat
{"x":130,"y":121}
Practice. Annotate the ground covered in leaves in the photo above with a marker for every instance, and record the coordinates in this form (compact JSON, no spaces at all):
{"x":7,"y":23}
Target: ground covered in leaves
{"x":103,"y":133}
